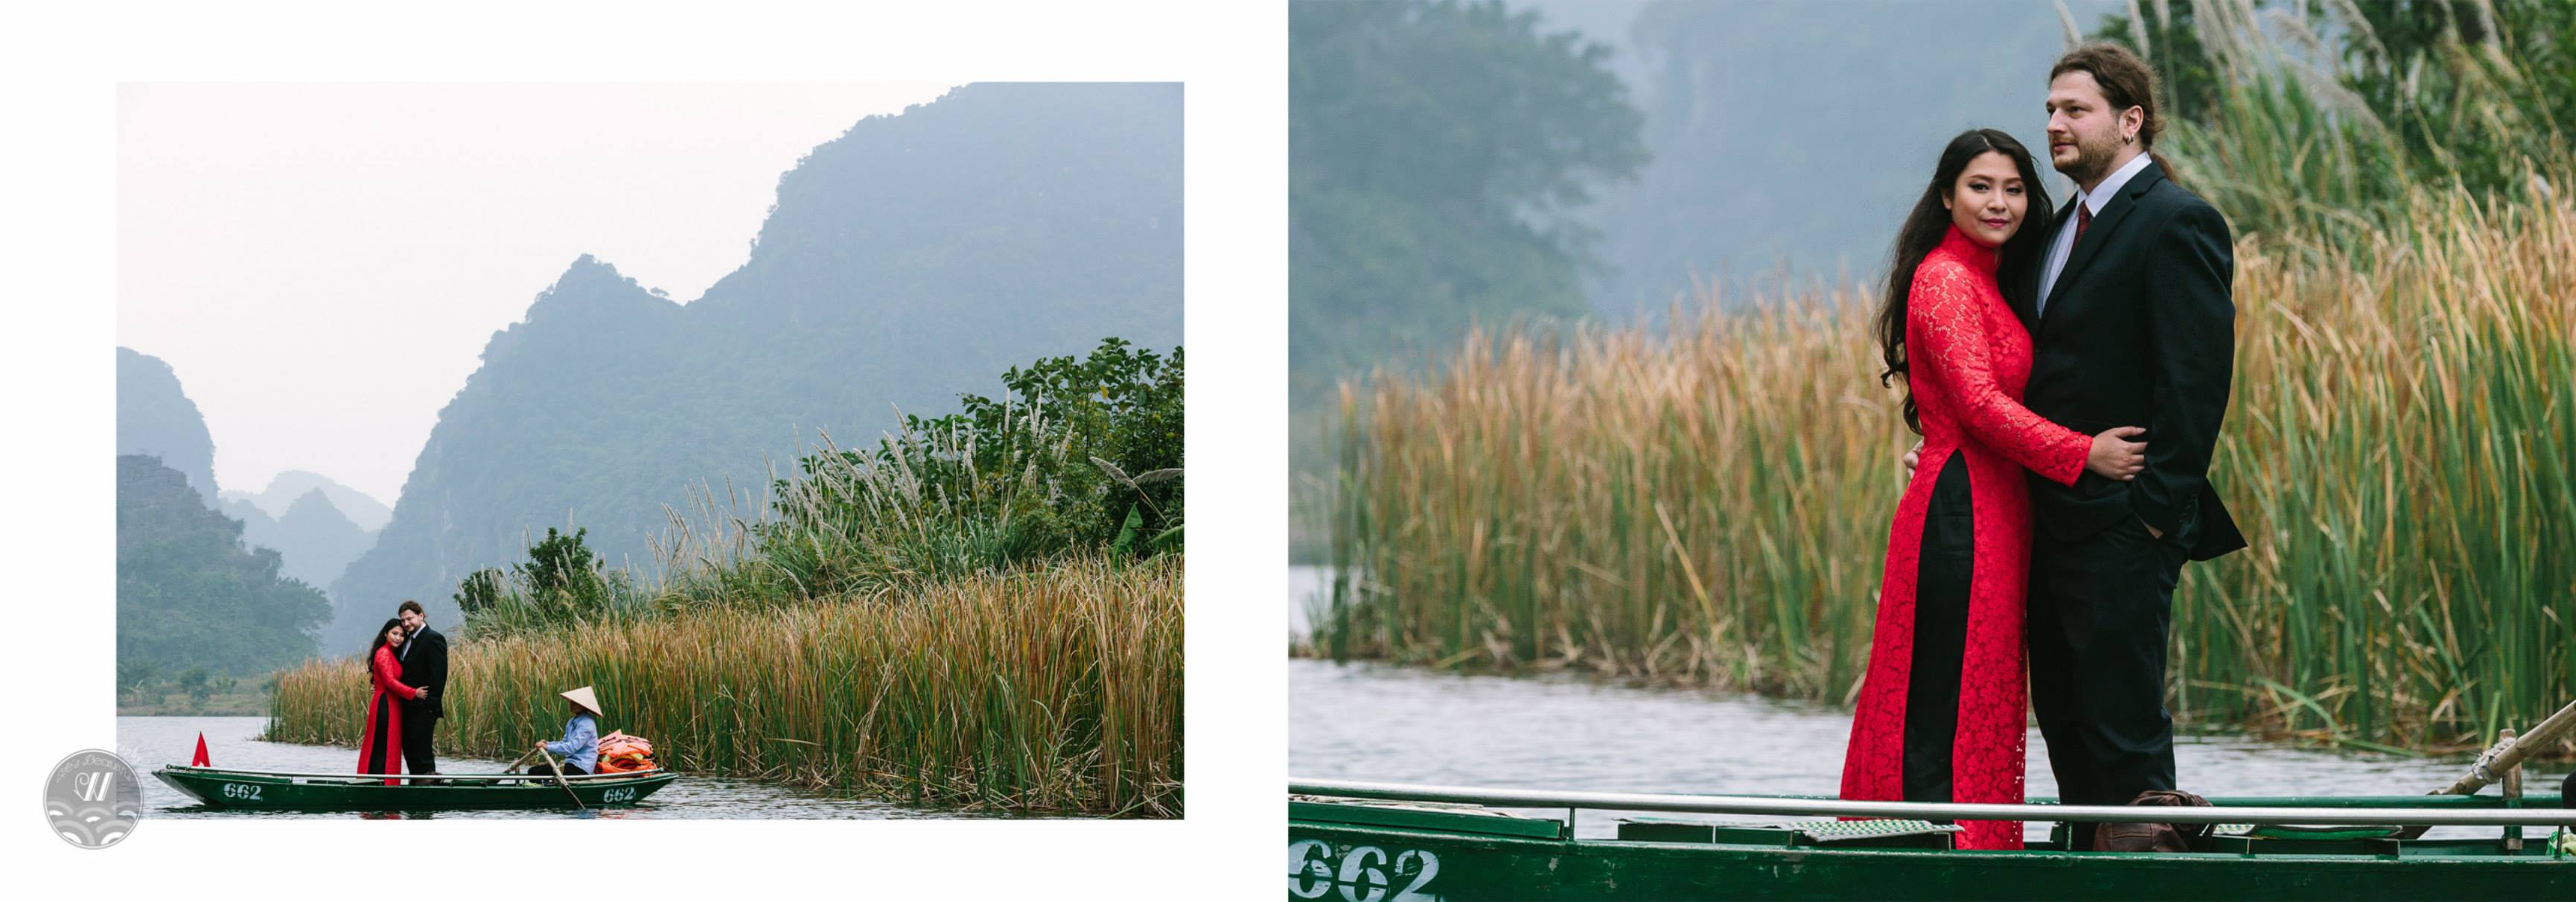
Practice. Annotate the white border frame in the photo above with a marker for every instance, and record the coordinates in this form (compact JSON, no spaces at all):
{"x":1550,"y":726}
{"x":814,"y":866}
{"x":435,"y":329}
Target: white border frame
{"x":63,"y":63}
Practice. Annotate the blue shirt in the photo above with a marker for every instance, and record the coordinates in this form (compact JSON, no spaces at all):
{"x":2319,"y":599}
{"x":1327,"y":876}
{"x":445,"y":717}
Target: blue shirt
{"x":580,"y":745}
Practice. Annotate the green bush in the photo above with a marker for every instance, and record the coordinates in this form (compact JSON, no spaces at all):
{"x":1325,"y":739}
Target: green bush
{"x":1078,"y":457}
{"x":196,"y":682}
{"x":562,"y":581}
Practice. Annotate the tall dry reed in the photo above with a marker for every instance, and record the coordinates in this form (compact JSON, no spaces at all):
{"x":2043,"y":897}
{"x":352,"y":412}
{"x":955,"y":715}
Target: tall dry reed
{"x":1049,"y":689}
{"x":1710,"y":505}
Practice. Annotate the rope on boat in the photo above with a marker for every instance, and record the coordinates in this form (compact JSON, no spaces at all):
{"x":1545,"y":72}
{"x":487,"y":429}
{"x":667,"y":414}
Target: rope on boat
{"x":2509,"y":751}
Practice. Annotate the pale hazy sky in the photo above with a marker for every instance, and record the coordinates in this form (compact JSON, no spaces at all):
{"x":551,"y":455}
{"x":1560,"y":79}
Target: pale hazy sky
{"x":322,"y":263}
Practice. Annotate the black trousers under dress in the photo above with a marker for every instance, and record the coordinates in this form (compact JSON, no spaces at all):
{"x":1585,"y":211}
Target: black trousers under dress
{"x":1947,"y":562}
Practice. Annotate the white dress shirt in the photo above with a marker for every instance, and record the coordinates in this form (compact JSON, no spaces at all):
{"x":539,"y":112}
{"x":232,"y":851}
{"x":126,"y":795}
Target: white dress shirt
{"x":2064,"y":244}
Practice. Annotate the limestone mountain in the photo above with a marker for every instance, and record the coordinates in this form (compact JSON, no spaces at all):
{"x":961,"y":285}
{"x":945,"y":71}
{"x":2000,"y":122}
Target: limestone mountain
{"x":312,"y":532}
{"x":316,"y":540}
{"x":258,"y":529}
{"x":256,"y":520}
{"x":155,"y":418}
{"x":906,"y":261}
{"x":288,"y":486}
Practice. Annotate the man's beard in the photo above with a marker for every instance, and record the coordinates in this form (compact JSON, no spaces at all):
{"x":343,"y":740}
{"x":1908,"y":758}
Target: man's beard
{"x":2091,"y":161}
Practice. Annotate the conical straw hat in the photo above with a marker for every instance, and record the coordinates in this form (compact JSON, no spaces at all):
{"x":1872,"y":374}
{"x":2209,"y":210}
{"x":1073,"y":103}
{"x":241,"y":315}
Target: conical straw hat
{"x":587,"y":701}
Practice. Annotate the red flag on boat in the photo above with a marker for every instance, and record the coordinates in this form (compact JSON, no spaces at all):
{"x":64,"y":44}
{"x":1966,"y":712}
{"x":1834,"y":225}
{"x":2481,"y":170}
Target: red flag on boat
{"x":200,"y":760}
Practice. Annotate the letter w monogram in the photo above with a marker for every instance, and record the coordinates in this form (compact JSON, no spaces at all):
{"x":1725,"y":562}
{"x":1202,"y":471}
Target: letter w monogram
{"x":94,"y":789}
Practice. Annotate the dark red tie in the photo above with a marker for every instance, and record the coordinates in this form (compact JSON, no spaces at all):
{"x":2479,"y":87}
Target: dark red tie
{"x":2083,"y":217}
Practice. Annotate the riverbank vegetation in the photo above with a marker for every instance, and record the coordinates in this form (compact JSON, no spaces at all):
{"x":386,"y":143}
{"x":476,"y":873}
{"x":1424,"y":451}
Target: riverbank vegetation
{"x":1442,"y":155}
{"x":1707,"y":503}
{"x":195,"y":692}
{"x":983,"y":611}
{"x":1052,"y":688}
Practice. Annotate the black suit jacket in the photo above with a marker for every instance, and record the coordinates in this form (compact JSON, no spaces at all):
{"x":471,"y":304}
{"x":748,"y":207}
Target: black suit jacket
{"x":2140,"y":330}
{"x":424,"y":663}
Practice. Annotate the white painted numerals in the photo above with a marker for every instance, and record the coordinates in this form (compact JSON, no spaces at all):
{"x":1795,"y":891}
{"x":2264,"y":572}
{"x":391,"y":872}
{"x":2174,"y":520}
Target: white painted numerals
{"x":616,"y":794}
{"x":1363,"y":875}
{"x":248,"y":792}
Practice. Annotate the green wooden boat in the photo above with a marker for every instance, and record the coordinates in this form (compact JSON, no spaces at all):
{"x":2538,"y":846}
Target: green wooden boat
{"x":1378,"y":842}
{"x":269,"y":790}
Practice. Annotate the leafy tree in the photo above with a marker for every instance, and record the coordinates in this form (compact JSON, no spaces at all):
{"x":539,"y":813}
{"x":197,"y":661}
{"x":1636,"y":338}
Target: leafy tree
{"x":480,"y":590}
{"x":2326,"y":116}
{"x":2472,"y":88}
{"x":1115,"y":418}
{"x":1078,"y":453}
{"x":1435,"y":147}
{"x":189,"y":597}
{"x":561,"y":570}
{"x":195,"y":682}
{"x":134,"y":673}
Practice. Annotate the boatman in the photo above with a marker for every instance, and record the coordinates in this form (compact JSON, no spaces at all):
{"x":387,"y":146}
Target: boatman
{"x":424,"y":664}
{"x":579,"y":747}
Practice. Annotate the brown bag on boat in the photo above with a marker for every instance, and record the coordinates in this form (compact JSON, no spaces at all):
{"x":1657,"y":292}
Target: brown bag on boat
{"x":2153,"y":837}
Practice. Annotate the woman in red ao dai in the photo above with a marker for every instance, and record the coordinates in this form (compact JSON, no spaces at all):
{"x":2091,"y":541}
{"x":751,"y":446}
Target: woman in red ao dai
{"x":1942,"y":704}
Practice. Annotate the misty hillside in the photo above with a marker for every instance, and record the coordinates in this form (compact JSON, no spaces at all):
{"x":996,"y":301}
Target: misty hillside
{"x":1795,"y":136}
{"x":252,"y":517}
{"x":288,"y":486}
{"x":188,"y":594}
{"x":155,"y":418}
{"x":315,"y":538}
{"x":905,"y":262}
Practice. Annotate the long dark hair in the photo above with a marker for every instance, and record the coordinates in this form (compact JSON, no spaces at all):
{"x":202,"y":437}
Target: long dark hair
{"x":1924,"y":228}
{"x":380,"y":639}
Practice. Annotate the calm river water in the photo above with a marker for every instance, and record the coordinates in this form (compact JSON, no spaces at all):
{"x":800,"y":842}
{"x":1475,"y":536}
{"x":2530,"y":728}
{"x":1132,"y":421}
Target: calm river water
{"x":1375,"y":722}
{"x":149,"y":742}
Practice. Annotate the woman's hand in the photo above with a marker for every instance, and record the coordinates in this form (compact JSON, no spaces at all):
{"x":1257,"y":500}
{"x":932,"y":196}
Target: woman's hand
{"x":2115,"y":457}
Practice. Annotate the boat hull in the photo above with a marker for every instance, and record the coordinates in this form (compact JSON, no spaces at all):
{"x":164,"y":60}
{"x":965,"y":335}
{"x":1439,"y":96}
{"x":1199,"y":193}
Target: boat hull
{"x":254,"y":791}
{"x":1456,"y":858}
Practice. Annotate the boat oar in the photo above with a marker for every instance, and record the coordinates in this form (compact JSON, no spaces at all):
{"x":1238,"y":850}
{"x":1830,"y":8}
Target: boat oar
{"x":559,"y":780}
{"x":513,"y":767}
{"x":2503,"y":757}
{"x":2507,"y":754}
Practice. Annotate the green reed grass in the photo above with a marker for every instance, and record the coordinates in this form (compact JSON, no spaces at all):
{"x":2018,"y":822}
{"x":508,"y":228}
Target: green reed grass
{"x":1710,"y":506}
{"x":1046,"y":689}
{"x":920,"y":622}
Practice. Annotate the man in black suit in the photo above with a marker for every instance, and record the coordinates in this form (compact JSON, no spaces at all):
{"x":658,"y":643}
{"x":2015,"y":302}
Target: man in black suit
{"x":2132,"y":321}
{"x":424,"y":664}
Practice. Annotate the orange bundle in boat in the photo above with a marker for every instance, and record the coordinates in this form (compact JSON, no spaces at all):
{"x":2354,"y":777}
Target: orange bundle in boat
{"x":620,"y":753}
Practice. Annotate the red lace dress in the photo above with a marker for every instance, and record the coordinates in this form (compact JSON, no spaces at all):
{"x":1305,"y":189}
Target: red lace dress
{"x":1968,"y":357}
{"x":380,"y":739}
